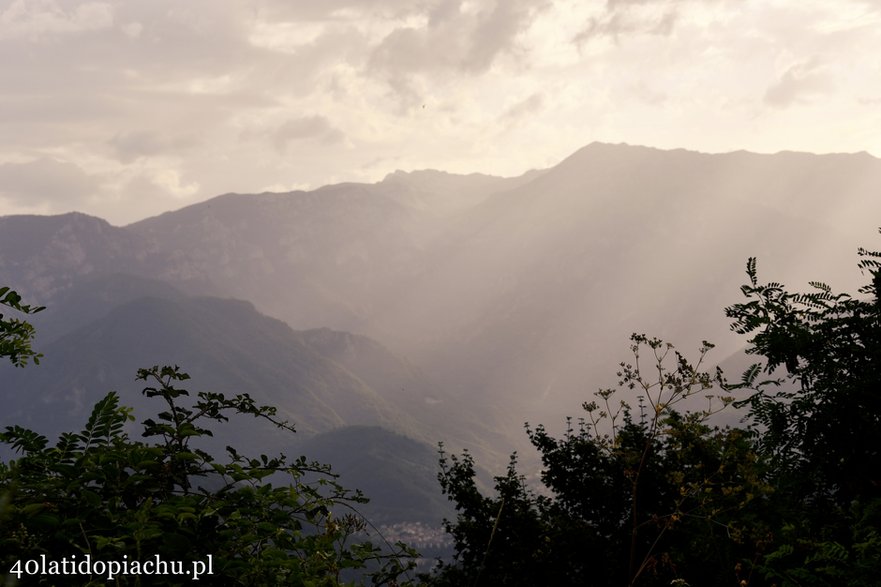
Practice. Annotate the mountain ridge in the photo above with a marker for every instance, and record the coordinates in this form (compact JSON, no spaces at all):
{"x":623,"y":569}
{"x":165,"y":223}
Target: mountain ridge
{"x":527,"y":294}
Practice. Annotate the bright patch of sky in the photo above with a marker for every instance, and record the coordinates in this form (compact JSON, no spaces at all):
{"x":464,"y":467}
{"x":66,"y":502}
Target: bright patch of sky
{"x":127,"y":109}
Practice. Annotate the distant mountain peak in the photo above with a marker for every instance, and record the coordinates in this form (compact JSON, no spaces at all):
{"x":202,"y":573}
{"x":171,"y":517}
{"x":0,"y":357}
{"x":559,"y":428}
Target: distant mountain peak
{"x":429,"y":177}
{"x":427,"y":172}
{"x":66,"y":218}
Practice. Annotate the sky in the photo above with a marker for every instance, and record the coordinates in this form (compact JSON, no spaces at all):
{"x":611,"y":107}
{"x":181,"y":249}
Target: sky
{"x":126,"y":109}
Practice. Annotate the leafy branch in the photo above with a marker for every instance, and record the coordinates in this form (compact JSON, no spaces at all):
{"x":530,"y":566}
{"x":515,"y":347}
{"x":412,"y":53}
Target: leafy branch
{"x":16,"y":335}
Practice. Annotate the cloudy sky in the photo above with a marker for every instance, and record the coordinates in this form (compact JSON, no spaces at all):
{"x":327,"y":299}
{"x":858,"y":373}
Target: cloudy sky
{"x":125,"y":109}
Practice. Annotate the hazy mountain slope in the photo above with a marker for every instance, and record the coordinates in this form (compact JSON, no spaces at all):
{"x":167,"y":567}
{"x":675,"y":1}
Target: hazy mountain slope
{"x":516,"y":296}
{"x":397,"y":473}
{"x":443,"y":194}
{"x":394,"y":378}
{"x":317,"y":259}
{"x":43,"y":255}
{"x":332,"y":257}
{"x":224,"y":344}
{"x":93,"y":296}
{"x":533,"y":295}
{"x":398,"y":381}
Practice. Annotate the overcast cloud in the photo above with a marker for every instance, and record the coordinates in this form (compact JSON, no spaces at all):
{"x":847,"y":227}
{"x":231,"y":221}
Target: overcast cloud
{"x":126,"y":109}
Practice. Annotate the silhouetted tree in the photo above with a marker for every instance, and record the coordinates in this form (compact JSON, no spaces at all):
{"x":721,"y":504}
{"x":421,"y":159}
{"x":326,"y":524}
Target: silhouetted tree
{"x":646,"y":495}
{"x":101,"y":496}
{"x":819,"y":417}
{"x":632,"y":495}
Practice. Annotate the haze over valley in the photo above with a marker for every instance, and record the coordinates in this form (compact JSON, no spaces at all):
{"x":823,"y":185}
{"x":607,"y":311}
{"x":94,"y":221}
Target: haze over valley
{"x":442,"y":307}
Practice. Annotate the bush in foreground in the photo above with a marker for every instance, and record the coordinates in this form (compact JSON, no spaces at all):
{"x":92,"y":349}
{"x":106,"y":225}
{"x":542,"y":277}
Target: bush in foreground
{"x":100,"y":495}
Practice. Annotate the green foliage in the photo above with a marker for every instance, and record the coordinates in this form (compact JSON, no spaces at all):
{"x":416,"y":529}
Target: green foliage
{"x":16,"y":335}
{"x":821,"y":420}
{"x":264,"y":520}
{"x":628,"y":498}
{"x":804,"y":556}
{"x":819,"y":415}
{"x":649,"y":496}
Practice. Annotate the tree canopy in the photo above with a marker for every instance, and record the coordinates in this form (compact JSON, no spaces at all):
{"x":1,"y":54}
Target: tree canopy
{"x":642,"y":493}
{"x":632,"y":495}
